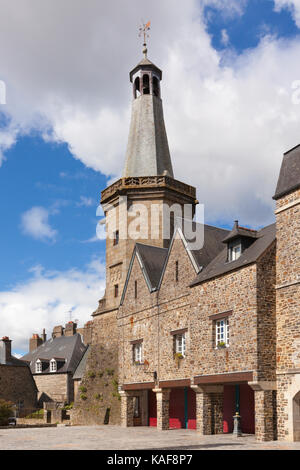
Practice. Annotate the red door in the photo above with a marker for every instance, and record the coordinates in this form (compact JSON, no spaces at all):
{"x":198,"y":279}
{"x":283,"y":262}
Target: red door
{"x":176,"y":408}
{"x":182,"y":408}
{"x":152,"y":409}
{"x":246,"y":408}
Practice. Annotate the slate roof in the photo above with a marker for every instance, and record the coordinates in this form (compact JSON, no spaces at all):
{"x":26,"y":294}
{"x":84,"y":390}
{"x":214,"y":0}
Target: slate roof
{"x":289,"y":177}
{"x":145,"y":63}
{"x":79,"y":372}
{"x":70,"y":348}
{"x":238,"y":232}
{"x":13,"y":361}
{"x":219,"y":265}
{"x":153,"y":259}
{"x":213,"y":237}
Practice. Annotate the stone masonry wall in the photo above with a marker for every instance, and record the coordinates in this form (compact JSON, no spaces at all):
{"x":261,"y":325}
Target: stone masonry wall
{"x":266,"y":315}
{"x":287,"y":312}
{"x":52,"y":387}
{"x":17,"y":384}
{"x":98,"y":400}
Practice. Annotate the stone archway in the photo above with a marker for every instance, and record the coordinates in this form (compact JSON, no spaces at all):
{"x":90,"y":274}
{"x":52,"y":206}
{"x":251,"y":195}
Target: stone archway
{"x":296,"y":417}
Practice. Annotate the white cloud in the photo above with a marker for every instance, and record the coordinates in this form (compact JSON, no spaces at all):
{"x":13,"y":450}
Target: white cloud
{"x":224,"y":37}
{"x":292,"y":5}
{"x":85,"y":202}
{"x":45,"y":299}
{"x":230,"y":117}
{"x":34,"y":223}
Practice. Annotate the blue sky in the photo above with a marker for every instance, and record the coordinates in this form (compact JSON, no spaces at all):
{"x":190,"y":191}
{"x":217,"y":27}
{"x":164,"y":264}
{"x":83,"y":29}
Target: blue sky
{"x":50,"y":186}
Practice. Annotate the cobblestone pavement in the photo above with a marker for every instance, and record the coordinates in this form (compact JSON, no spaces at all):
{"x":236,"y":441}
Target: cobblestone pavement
{"x":117,"y":438}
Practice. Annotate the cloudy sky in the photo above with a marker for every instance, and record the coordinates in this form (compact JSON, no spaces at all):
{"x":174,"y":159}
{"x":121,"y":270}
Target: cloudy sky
{"x":231,"y":80}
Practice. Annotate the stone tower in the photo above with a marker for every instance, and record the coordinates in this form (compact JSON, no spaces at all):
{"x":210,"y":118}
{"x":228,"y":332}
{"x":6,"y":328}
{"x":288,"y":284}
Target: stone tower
{"x":134,"y":206}
{"x":287,"y":212}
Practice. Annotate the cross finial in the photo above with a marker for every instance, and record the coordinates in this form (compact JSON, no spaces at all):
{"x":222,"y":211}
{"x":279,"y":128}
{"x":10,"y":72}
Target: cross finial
{"x":143,"y":30}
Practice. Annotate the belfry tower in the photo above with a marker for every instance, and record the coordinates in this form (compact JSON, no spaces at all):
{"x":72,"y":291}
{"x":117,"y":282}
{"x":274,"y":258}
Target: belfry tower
{"x":133,"y":205}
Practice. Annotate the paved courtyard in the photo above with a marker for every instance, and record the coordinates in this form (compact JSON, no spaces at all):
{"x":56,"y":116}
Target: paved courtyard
{"x":117,"y":438}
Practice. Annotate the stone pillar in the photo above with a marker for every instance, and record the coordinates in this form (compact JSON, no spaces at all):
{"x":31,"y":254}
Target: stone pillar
{"x":209,"y":409}
{"x":162,"y":400}
{"x":126,"y":409}
{"x":264,"y":395}
{"x":217,"y":411}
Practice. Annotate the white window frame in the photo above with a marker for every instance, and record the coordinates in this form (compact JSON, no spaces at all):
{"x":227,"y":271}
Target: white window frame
{"x":138,"y":353}
{"x":38,"y":367}
{"x":222,"y":331}
{"x":53,"y":365}
{"x":180,"y":344}
{"x":235,"y":251}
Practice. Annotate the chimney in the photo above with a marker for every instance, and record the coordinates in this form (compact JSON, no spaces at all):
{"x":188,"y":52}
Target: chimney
{"x":57,"y":331}
{"x":70,"y":329}
{"x":35,"y":342}
{"x":5,"y":350}
{"x":44,"y":336}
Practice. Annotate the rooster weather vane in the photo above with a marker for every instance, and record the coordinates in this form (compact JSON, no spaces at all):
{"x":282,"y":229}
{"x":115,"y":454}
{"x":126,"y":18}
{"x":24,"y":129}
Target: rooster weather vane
{"x":143,"y":31}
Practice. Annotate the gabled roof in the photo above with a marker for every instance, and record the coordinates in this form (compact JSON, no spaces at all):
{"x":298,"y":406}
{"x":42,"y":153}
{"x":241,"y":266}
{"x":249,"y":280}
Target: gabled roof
{"x":151,"y":260}
{"x":220,"y":265}
{"x":69,"y":348}
{"x":289,"y":177}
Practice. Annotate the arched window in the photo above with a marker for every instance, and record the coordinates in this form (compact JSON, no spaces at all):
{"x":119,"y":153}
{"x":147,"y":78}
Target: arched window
{"x":146,"y":84}
{"x":137,"y":91}
{"x":53,"y":365}
{"x":38,"y":367}
{"x":156,"y":91}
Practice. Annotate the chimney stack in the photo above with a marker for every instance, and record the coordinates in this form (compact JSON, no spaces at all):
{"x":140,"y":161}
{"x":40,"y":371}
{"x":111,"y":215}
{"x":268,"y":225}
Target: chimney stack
{"x":70,"y":329}
{"x":57,"y":331}
{"x":44,"y":336}
{"x":5,"y":350}
{"x":35,"y":342}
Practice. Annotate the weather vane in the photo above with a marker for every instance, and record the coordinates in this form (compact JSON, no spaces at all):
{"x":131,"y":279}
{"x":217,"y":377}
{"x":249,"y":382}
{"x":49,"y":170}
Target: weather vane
{"x":143,"y":31}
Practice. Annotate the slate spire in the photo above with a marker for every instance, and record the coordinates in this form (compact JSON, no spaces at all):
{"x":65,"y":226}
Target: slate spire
{"x":147,"y":150}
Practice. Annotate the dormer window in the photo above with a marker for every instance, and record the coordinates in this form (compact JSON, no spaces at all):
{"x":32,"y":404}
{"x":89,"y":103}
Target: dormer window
{"x":238,"y":240}
{"x":38,"y":367}
{"x":234,"y":250}
{"x":53,"y":365}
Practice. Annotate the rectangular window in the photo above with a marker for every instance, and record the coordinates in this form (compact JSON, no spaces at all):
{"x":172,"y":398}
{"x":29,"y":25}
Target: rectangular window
{"x":116,"y":238}
{"x":38,"y":367}
{"x":116,"y":290}
{"x":180,"y":344}
{"x":135,"y":289}
{"x":222,"y":332}
{"x":176,"y":271}
{"x":137,"y":353}
{"x":53,"y":366}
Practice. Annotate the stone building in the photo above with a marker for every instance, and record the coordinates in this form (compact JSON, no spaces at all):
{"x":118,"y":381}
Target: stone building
{"x":16,"y":381}
{"x":196,"y":334}
{"x":54,"y":362}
